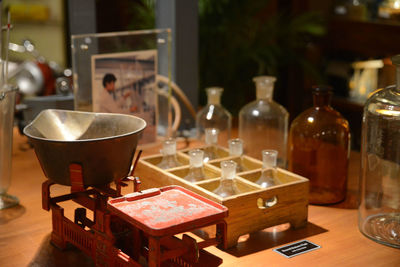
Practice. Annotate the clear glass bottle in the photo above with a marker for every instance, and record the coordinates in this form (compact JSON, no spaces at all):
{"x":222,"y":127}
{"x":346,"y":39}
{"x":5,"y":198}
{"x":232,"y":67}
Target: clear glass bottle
{"x":263,"y":123}
{"x":319,"y":148}
{"x":211,"y":140}
{"x":236,"y":150}
{"x":227,"y":186}
{"x":268,"y":175}
{"x":169,"y":159}
{"x":196,"y":169}
{"x":379,"y":206}
{"x":214,"y":115}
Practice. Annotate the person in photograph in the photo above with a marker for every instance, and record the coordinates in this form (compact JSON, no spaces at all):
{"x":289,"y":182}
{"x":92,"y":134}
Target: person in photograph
{"x":109,"y":99}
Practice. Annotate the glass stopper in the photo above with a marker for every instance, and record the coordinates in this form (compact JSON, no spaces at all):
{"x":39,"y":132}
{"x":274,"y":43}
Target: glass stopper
{"x":211,"y":136}
{"x":269,"y":157}
{"x":214,"y":95}
{"x":228,"y":169}
{"x":235,"y":147}
{"x":169,"y":147}
{"x":196,"y":158}
{"x":264,"y":86}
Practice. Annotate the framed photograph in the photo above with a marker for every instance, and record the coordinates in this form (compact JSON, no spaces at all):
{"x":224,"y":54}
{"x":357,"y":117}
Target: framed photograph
{"x":125,"y":83}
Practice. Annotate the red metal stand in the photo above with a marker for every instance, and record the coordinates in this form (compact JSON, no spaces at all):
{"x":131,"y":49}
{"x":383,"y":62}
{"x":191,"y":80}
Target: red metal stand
{"x":118,"y":237}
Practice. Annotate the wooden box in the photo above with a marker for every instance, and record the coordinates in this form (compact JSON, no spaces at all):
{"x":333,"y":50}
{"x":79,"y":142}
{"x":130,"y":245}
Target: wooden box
{"x":254,"y":209}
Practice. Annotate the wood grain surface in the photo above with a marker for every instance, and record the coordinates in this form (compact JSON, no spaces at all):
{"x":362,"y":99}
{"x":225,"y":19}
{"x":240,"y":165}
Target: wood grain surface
{"x":25,"y":229}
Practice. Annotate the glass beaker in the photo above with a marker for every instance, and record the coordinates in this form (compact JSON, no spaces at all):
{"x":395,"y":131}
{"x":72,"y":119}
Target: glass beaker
{"x":214,"y":115}
{"x":7,"y":103}
{"x":263,"y":123}
{"x":379,"y":206}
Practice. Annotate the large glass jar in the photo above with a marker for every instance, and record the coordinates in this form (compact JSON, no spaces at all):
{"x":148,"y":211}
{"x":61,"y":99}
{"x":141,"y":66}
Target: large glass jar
{"x":214,"y":115}
{"x":319,"y":148}
{"x":263,"y":123}
{"x":379,"y":206}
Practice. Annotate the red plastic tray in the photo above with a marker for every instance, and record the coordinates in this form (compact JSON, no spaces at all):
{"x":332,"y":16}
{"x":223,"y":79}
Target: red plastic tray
{"x":167,"y":211}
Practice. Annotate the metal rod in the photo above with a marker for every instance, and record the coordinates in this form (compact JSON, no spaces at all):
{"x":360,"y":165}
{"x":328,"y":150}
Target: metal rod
{"x":7,"y":45}
{"x":136,"y":161}
{"x":169,"y":130}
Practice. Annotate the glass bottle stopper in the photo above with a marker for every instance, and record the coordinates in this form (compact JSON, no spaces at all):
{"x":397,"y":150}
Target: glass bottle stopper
{"x":235,"y":147}
{"x":169,"y":147}
{"x":196,"y":158}
{"x":211,"y":136}
{"x":228,"y":169}
{"x":322,"y":95}
{"x":269,"y":157}
{"x":264,"y":86}
{"x":214,"y":95}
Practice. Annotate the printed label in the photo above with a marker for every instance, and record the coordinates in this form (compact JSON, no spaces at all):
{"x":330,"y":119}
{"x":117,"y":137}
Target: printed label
{"x":297,"y":248}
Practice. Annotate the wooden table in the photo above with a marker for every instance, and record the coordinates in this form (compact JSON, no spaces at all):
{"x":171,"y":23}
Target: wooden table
{"x":25,"y":229}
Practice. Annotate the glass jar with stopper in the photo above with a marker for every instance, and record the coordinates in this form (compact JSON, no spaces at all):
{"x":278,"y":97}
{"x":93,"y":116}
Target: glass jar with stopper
{"x":196,"y":169}
{"x":268,"y":175}
{"x":319,"y":148}
{"x":211,"y":140}
{"x":227,"y":186}
{"x":379,"y":205}
{"x":214,"y":115}
{"x":264,"y":122}
{"x":236,"y":150}
{"x":169,"y":159}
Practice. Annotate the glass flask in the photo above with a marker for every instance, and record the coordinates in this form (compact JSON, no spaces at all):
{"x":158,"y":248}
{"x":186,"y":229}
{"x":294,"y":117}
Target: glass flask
{"x":196,"y":169}
{"x":236,"y":150}
{"x":263,"y":123}
{"x":211,"y":140}
{"x":268,"y":172}
{"x":214,"y":115}
{"x":379,"y":206}
{"x":319,"y":148}
{"x":169,"y":159}
{"x":227,"y":186}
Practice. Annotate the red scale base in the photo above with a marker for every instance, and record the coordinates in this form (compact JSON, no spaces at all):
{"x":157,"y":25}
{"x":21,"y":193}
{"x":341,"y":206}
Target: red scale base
{"x":140,"y":227}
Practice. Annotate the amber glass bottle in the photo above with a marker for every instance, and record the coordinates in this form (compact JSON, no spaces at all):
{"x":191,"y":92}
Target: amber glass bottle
{"x":319,"y":142}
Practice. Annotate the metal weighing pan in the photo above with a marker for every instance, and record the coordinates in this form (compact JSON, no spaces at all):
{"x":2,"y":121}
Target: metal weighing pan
{"x":103,"y":143}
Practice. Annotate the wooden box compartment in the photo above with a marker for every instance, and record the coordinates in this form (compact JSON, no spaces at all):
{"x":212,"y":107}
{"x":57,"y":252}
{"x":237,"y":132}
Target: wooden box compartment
{"x":209,"y":172}
{"x":252,"y":210}
{"x":246,"y":162}
{"x":220,"y":152}
{"x":154,"y":160}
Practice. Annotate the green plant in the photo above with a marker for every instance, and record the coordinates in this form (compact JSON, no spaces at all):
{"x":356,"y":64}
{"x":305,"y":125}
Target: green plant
{"x":142,"y":15}
{"x":239,"y":41}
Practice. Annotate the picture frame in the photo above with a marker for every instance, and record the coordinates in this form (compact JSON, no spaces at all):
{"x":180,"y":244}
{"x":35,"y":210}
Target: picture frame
{"x":125,"y":83}
{"x":87,"y":49}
